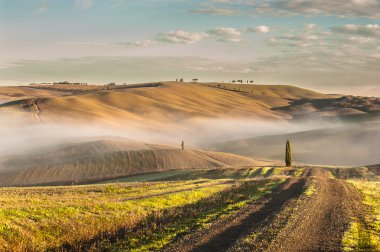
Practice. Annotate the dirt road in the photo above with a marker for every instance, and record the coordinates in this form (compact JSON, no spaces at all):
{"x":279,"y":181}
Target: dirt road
{"x":288,"y":220}
{"x":224,"y":233}
{"x":322,"y":219}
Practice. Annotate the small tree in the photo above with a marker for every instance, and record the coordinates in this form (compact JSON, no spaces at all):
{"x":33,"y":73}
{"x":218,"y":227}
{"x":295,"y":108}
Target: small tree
{"x":288,"y":154}
{"x":183,"y":145}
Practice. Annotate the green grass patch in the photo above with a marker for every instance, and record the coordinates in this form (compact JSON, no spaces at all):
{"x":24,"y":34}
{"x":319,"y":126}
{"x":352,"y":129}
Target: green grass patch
{"x":311,"y":187}
{"x":357,"y":238}
{"x":149,"y":176}
{"x":360,"y":236}
{"x":299,"y":171}
{"x":232,"y":173}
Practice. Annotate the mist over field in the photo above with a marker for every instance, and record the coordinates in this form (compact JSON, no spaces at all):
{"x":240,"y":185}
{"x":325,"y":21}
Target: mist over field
{"x":318,"y":141}
{"x":19,"y":137}
{"x":347,"y":145}
{"x":204,"y":125}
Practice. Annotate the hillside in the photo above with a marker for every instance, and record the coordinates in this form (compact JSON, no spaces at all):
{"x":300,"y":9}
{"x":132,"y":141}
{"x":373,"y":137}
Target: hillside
{"x":274,"y":91}
{"x":9,"y":94}
{"x":172,"y":103}
{"x":97,"y":160}
{"x":349,"y":107}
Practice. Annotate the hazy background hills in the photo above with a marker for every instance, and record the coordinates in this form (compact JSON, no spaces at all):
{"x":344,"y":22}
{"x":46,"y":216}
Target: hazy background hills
{"x":67,"y":134}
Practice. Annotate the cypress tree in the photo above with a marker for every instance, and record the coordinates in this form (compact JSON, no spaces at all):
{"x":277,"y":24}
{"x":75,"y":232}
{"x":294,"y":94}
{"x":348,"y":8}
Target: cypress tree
{"x":288,"y":154}
{"x":183,"y":145}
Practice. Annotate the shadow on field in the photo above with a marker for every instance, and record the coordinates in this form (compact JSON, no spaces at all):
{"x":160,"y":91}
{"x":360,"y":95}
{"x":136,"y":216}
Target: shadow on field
{"x":143,"y":230}
{"x":226,"y":238}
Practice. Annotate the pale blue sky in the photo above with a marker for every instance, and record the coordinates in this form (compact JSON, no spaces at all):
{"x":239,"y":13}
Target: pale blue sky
{"x":326,"y":45}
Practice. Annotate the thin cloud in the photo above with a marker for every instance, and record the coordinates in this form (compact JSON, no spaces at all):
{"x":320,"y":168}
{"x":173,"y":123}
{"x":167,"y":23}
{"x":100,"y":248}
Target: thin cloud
{"x":311,"y":27}
{"x":340,"y":8}
{"x":218,"y":11}
{"x":43,"y":8}
{"x":226,"y":34}
{"x":181,"y":37}
{"x":259,"y":29}
{"x":140,"y":43}
{"x":369,"y":30}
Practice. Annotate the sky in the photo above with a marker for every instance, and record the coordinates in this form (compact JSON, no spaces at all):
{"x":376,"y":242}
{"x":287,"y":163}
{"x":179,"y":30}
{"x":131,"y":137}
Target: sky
{"x":328,"y":46}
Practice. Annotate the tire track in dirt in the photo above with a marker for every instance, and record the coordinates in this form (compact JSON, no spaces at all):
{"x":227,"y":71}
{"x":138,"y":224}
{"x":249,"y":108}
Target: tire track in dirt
{"x":287,"y":220}
{"x":222,"y":234}
{"x":322,"y":219}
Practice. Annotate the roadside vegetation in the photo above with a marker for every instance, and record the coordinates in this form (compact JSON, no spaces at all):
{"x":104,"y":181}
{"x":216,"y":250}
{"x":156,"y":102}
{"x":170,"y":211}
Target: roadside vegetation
{"x":365,"y":236}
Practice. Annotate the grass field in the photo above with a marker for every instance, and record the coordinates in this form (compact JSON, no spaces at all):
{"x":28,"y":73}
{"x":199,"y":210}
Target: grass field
{"x":136,"y":216}
{"x":208,"y":209}
{"x":50,"y":217}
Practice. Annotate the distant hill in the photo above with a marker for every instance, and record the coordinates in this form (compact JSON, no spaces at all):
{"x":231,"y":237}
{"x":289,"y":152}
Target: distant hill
{"x":345,"y":145}
{"x":9,"y":94}
{"x":274,"y":91}
{"x":173,"y":102}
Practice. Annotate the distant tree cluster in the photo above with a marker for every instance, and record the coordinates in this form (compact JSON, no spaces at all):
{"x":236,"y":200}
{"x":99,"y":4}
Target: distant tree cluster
{"x":241,"y":81}
{"x":70,"y":83}
{"x":61,"y":83}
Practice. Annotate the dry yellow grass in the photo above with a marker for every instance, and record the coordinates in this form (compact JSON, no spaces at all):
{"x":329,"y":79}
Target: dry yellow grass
{"x":274,"y":91}
{"x":169,"y":104}
{"x":8,"y":94}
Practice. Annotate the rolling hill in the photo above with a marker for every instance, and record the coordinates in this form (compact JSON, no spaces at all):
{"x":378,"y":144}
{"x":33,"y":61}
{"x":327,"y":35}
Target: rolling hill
{"x":9,"y":94}
{"x":175,"y":109}
{"x":91,"y":160}
{"x":170,"y":103}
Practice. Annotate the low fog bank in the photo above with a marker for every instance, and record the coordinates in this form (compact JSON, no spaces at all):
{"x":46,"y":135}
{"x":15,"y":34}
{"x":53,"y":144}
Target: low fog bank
{"x":18,"y":137}
{"x":345,"y":145}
